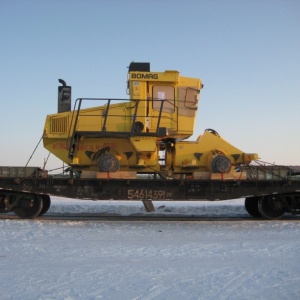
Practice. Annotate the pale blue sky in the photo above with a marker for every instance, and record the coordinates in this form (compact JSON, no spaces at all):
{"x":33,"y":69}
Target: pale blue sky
{"x":247,"y":54}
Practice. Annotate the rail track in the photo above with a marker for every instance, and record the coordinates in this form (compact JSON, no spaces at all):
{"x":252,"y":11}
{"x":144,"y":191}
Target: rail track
{"x":94,"y":217}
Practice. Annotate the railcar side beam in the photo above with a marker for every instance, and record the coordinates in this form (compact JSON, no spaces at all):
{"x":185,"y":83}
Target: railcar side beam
{"x":148,"y":189}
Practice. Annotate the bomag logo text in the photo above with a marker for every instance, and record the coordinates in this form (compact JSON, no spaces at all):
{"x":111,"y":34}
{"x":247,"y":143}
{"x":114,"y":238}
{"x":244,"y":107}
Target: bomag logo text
{"x":143,"y":76}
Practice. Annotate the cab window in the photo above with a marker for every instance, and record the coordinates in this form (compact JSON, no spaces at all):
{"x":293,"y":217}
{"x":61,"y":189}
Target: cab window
{"x":187,"y":101}
{"x":166,"y":94}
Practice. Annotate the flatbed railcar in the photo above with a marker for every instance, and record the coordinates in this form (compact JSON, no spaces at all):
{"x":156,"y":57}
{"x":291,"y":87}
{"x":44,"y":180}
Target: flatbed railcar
{"x":29,"y":197}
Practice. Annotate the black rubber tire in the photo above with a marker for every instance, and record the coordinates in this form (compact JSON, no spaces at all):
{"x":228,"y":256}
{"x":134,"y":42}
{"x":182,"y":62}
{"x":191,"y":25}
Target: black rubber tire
{"x":108,"y":163}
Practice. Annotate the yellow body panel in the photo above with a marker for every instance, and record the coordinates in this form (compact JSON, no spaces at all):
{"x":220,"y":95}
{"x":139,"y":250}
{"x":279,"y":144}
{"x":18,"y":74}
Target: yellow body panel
{"x":207,"y":146}
{"x":145,"y":133}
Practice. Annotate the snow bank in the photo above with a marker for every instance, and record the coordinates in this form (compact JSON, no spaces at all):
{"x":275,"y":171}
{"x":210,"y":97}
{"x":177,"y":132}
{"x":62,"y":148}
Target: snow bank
{"x":126,"y":208}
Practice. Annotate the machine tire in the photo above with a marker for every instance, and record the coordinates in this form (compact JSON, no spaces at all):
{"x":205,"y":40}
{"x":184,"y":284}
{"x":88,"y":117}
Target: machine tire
{"x":138,"y":127}
{"x":108,"y":163}
{"x":220,"y":164}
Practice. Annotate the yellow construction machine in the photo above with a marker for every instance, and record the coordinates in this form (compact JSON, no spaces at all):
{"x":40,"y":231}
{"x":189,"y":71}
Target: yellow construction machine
{"x":146,"y":133}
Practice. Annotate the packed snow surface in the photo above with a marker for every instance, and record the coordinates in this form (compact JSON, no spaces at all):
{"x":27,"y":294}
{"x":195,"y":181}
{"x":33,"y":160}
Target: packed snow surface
{"x":217,"y":258}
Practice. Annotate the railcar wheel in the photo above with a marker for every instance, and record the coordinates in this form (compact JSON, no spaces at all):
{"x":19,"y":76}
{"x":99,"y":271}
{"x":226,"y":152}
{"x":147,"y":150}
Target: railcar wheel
{"x":271,"y":207}
{"x":251,"y":206}
{"x":30,"y":206}
{"x":46,"y":204}
{"x":2,"y":203}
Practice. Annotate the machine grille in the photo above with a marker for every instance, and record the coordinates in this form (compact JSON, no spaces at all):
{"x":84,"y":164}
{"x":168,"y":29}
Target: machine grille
{"x":59,"y":124}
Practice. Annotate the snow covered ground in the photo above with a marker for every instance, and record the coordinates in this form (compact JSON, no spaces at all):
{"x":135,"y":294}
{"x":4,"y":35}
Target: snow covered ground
{"x":205,"y":259}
